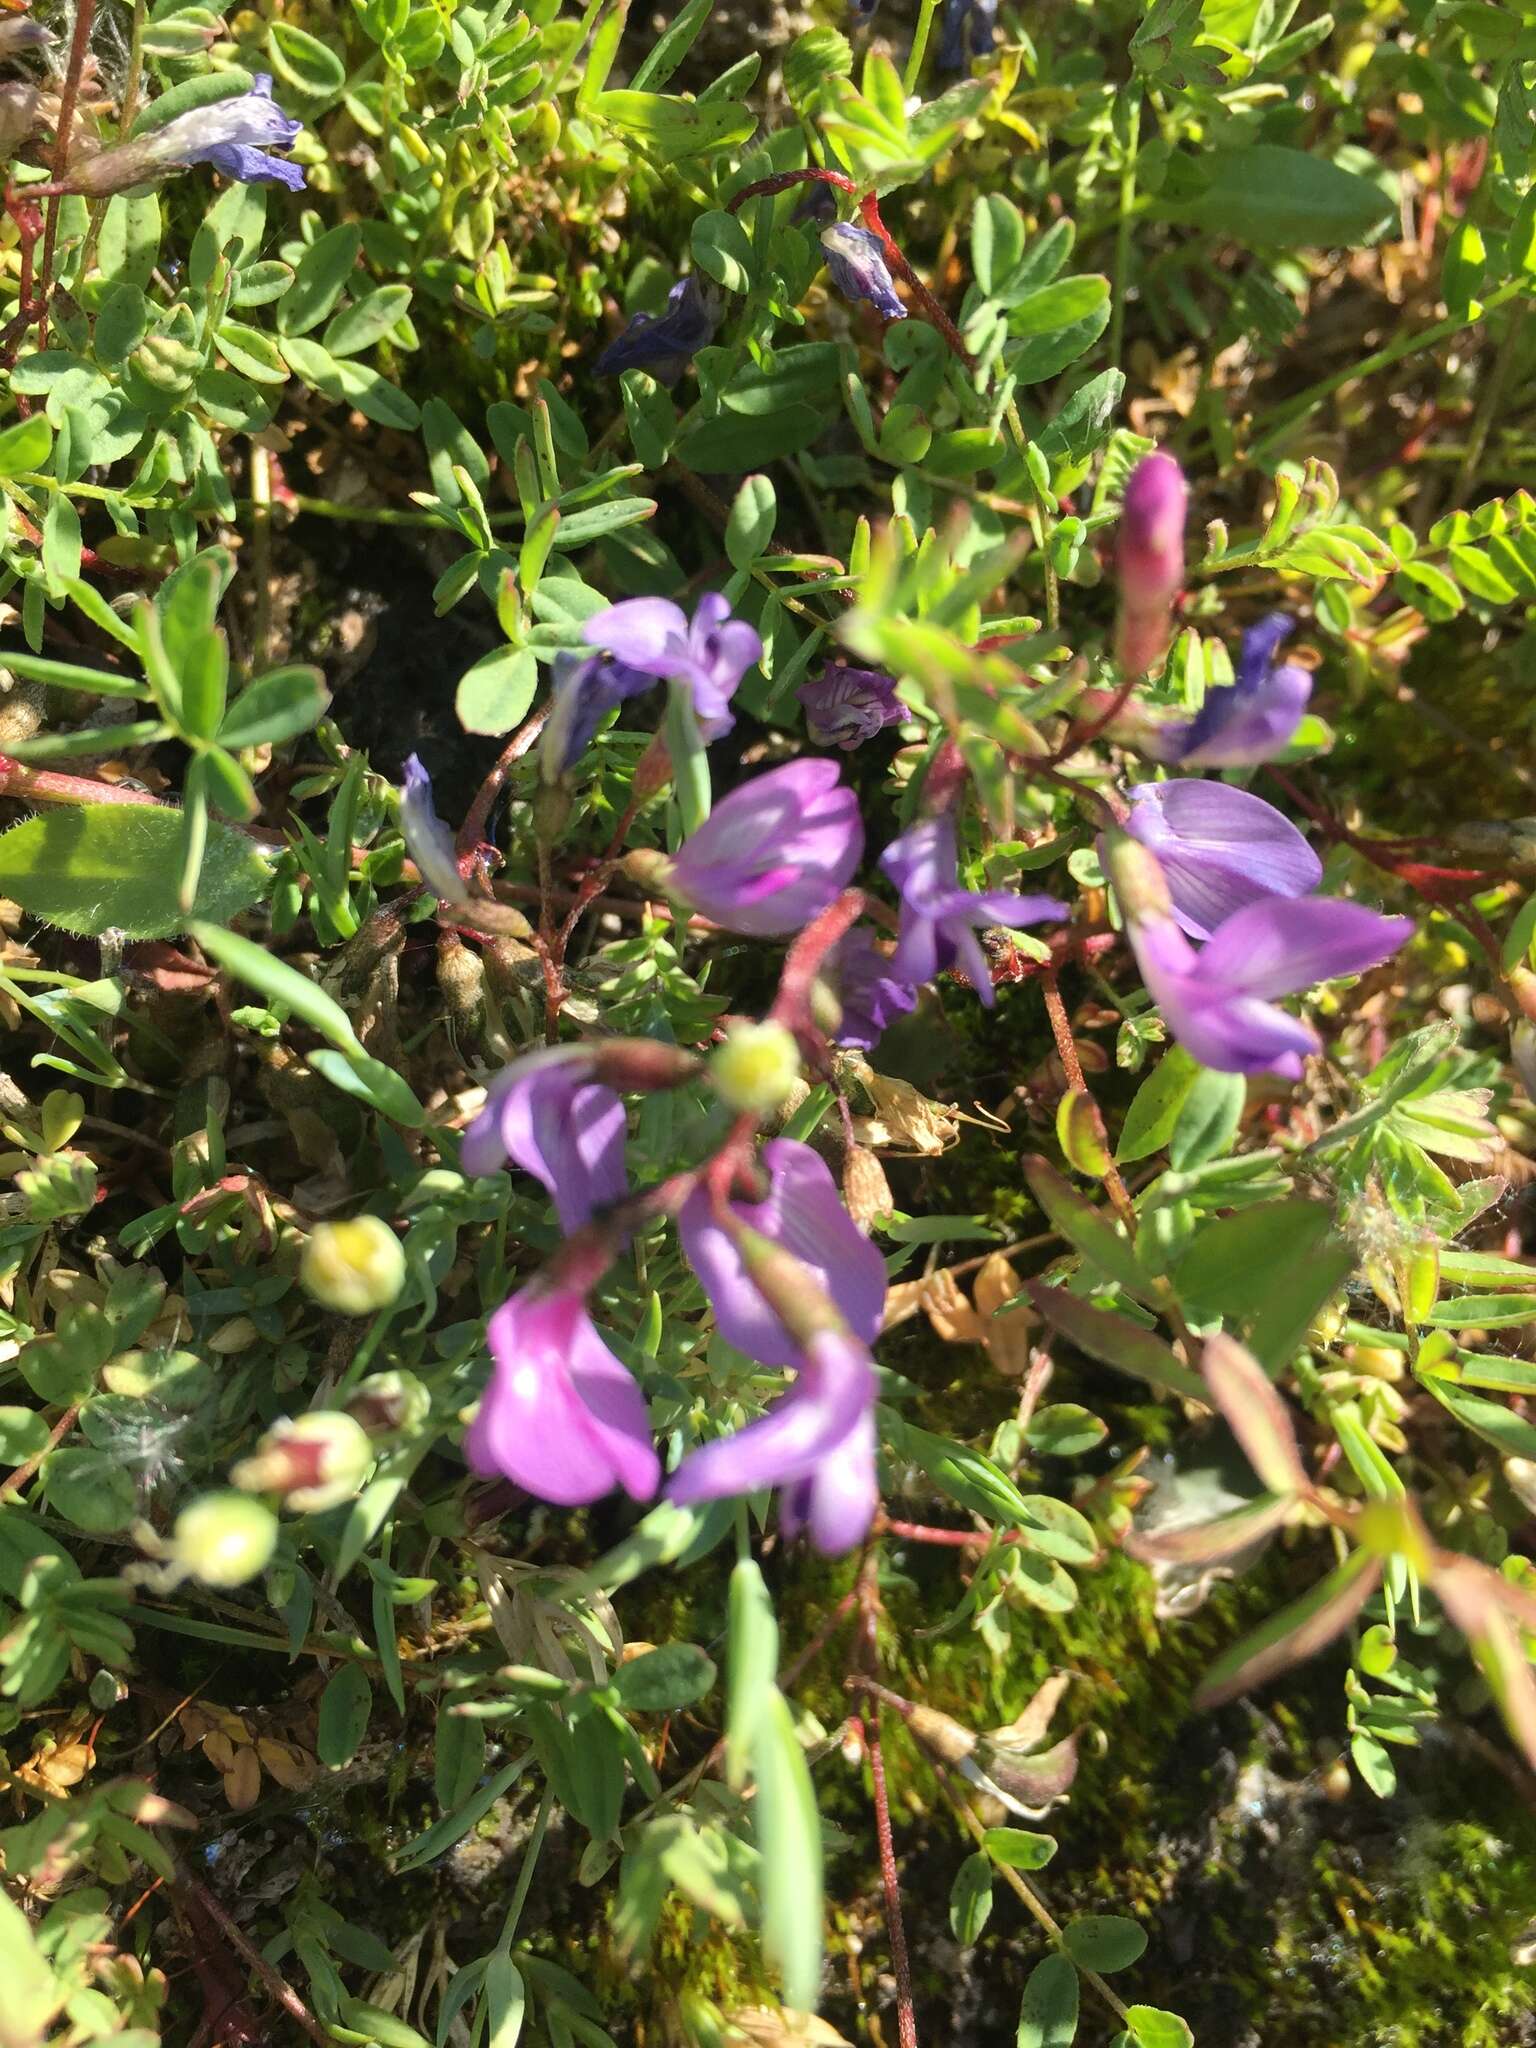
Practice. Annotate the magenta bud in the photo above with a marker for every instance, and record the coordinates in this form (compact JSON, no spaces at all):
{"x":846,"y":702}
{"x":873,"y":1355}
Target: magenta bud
{"x":1149,"y":554}
{"x":640,"y":1066}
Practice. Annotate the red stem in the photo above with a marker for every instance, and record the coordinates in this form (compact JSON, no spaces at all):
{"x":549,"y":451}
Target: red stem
{"x":79,"y":47}
{"x":890,"y":1882}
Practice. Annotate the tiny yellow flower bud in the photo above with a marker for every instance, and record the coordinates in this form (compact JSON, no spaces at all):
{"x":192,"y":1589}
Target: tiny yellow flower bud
{"x":353,"y":1267}
{"x":314,"y":1461}
{"x":223,"y":1539}
{"x":756,"y":1066}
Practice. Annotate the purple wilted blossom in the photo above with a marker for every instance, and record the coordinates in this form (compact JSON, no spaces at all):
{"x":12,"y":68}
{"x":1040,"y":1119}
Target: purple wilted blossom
{"x":710,"y":654}
{"x":817,"y":207}
{"x":1149,"y":559}
{"x":817,"y":1442}
{"x":1217,"y":1000}
{"x":1219,"y":849}
{"x":1250,"y":720}
{"x":939,"y":919}
{"x":846,"y":706}
{"x":867,"y":989}
{"x":665,"y":344}
{"x":21,"y":33}
{"x":547,"y":1114}
{"x":775,"y":853}
{"x":427,"y":839}
{"x":970,"y":30}
{"x":561,"y":1416}
{"x":856,"y":259}
{"x":586,"y":688}
{"x":802,"y":1213}
{"x":230,"y":134}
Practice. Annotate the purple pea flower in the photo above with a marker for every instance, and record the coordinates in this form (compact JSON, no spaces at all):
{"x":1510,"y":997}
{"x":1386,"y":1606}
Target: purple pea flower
{"x":939,"y":919}
{"x":970,"y":30}
{"x":802,"y":1213}
{"x":427,"y":839}
{"x":665,"y":344}
{"x":856,"y":260}
{"x":1217,"y":1001}
{"x":710,"y":654}
{"x":818,"y":1442}
{"x":846,"y":706}
{"x":561,"y":1416}
{"x":1219,"y":849}
{"x":586,"y":689}
{"x":775,"y":853}
{"x":232,"y":134}
{"x":870,"y":995}
{"x":548,"y":1115}
{"x":1252,"y":719}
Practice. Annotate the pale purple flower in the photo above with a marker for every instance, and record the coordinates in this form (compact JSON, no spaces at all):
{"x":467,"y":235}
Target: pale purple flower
{"x":803,"y":1214}
{"x":856,"y":260}
{"x":20,"y":32}
{"x":868,"y":991}
{"x":1149,"y":558}
{"x":711,"y":653}
{"x":1253,"y":718}
{"x":970,"y":30}
{"x":586,"y":688}
{"x":817,"y":1442}
{"x":427,"y":839}
{"x":846,"y":706}
{"x":665,"y":344}
{"x":774,"y":853}
{"x":1219,"y":849}
{"x":547,"y":1115}
{"x":939,"y":919}
{"x":231,"y":134}
{"x":1217,"y":1000}
{"x":561,"y":1416}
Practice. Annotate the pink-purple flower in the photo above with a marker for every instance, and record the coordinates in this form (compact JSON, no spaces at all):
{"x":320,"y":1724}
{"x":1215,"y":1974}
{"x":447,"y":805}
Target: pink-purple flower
{"x":665,"y":344}
{"x":817,"y":1442}
{"x":1251,"y":719}
{"x":846,"y":706}
{"x":561,"y":1416}
{"x":803,"y":1214}
{"x":774,"y":853}
{"x":869,"y":993}
{"x":1219,"y":849}
{"x":856,"y":262}
{"x":547,"y":1114}
{"x":586,"y":689}
{"x":939,"y":918}
{"x":709,"y":654}
{"x":1149,"y":557}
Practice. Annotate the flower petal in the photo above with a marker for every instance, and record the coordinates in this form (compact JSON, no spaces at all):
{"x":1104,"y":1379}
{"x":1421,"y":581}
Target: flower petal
{"x":832,"y":1393}
{"x":1280,"y":945}
{"x":1219,"y":848}
{"x":649,"y":633}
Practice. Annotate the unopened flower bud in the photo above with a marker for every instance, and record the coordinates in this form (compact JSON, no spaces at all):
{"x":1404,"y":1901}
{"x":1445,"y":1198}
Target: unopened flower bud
{"x":1138,"y":882}
{"x":866,"y":1190}
{"x":388,"y":1402}
{"x":224,"y":1539}
{"x":461,"y":977}
{"x":353,"y":1268}
{"x":653,"y":771}
{"x":19,"y":106}
{"x":640,"y":1066}
{"x":756,"y":1066}
{"x":551,"y":812}
{"x":314,"y":1461}
{"x":1149,"y":554}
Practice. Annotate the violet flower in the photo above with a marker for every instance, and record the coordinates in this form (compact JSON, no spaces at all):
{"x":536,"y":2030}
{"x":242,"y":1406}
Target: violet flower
{"x":1219,"y":849}
{"x":939,"y":919}
{"x":803,"y":1214}
{"x":774,"y":853}
{"x":1149,"y":558}
{"x":428,"y":840}
{"x":856,"y":260}
{"x":586,"y":688}
{"x":710,"y":654}
{"x":846,"y":706}
{"x":19,"y":33}
{"x":1250,"y":720}
{"x":665,"y":344}
{"x":970,"y":30}
{"x":561,"y":1416}
{"x":867,"y":988}
{"x":817,"y":1441}
{"x":548,"y":1115}
{"x":231,"y":134}
{"x":1217,"y":1001}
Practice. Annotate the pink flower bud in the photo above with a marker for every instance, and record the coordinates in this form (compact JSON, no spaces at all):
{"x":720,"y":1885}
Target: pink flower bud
{"x":1149,"y":553}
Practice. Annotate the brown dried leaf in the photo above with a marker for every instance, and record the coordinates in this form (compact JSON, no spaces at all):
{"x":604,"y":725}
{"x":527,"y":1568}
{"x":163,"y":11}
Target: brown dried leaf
{"x":291,"y":1766}
{"x":219,"y":1750}
{"x":242,"y":1783}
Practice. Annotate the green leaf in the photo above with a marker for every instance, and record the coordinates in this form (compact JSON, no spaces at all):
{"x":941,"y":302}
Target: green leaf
{"x":459,"y":1757}
{"x":1267,"y":195}
{"x":32,"y":1992}
{"x":371,"y":1081}
{"x":304,"y":62}
{"x":345,"y":1706}
{"x":1151,"y":2027}
{"x":453,"y":1827}
{"x":1207,"y":1122}
{"x":280,"y":984}
{"x":970,"y":1900}
{"x":1087,"y":1230}
{"x":672,"y":46}
{"x":275,"y":707}
{"x":733,"y":441}
{"x":1048,"y":2015}
{"x":1296,"y":1632}
{"x":505,"y":2001}
{"x":789,"y":1838}
{"x":967,"y":1476}
{"x":1477,"y":1311}
{"x":1271,"y":1267}
{"x":367,"y":321}
{"x":23,"y":1433}
{"x":1150,"y":1120}
{"x":674,"y":127}
{"x":723,"y":250}
{"x":495,"y":694}
{"x":674,"y":1675}
{"x":1064,"y":1430}
{"x":752,"y":1664}
{"x":322,"y":276}
{"x":1019,"y":1848}
{"x":1056,"y":1529}
{"x":98,"y":867}
{"x":1081,"y":428}
{"x":89,"y":1489}
{"x":1116,"y":1340}
{"x":1103,"y":1942}
{"x":25,"y":445}
{"x":70,"y":675}
{"x":750,"y":526}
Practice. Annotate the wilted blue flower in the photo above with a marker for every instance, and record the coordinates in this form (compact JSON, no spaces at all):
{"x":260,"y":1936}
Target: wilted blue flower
{"x":856,"y":259}
{"x":21,"y":33}
{"x":846,"y":706}
{"x":665,"y":344}
{"x":970,"y":30}
{"x":710,"y":653}
{"x":940,"y":919}
{"x":230,"y":134}
{"x":587,"y":688}
{"x":427,"y":839}
{"x":819,"y":204}
{"x":1252,"y":719}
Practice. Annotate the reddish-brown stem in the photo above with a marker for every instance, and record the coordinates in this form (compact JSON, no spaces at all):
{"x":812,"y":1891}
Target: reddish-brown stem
{"x":1066,"y":1047}
{"x":13,"y":1482}
{"x":48,"y":786}
{"x":781,"y":181}
{"x":869,"y":206}
{"x":79,"y":46}
{"x":924,"y":1532}
{"x":890,"y":1883}
{"x":791,"y":1006}
{"x":472,"y":831}
{"x":204,"y":1904}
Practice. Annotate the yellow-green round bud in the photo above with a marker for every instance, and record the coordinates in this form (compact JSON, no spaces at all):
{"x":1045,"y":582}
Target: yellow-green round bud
{"x":353,"y":1268}
{"x":315,"y":1461}
{"x":223,"y":1539}
{"x":756,"y":1066}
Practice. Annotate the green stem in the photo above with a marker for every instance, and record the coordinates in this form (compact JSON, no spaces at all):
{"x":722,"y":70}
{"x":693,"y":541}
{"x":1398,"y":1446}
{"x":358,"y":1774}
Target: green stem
{"x":919,"y":48}
{"x":594,"y":9}
{"x":525,"y":1875}
{"x":1037,"y":521}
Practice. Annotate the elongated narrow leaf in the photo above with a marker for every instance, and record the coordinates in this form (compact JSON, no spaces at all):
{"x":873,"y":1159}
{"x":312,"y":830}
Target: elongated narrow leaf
{"x":1295,"y":1633}
{"x":1116,"y":1340}
{"x":1255,"y":1414}
{"x":279,"y":983}
{"x":1087,"y":1230}
{"x":1209,"y":1542}
{"x":752,"y":1663}
{"x":789,"y":1837}
{"x":1472,"y":1596}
